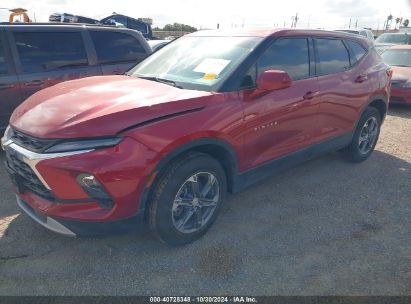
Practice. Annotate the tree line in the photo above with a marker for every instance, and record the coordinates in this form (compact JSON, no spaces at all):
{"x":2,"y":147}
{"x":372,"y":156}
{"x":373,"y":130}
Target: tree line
{"x":176,"y":27}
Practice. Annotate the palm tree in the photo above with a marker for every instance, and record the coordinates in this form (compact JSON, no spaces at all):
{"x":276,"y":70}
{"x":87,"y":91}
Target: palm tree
{"x":397,"y":20}
{"x":389,"y":20}
{"x":406,"y":23}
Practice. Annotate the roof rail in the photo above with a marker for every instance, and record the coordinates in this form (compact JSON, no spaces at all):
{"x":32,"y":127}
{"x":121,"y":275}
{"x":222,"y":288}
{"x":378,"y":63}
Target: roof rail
{"x":56,"y":24}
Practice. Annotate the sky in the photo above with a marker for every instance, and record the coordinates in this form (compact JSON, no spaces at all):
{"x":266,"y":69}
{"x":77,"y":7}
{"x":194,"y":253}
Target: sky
{"x":227,"y":13}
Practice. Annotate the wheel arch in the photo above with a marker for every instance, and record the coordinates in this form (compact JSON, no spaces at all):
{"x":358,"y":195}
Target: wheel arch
{"x":219,"y":149}
{"x":380,"y":103}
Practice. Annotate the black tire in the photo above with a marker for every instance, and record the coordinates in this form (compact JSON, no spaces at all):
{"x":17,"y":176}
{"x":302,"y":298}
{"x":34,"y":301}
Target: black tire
{"x":353,"y":152}
{"x":169,"y":184}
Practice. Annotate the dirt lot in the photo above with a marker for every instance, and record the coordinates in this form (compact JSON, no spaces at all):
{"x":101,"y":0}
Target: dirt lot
{"x":327,"y":227}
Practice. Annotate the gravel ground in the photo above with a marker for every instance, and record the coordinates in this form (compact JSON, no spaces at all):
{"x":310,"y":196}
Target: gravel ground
{"x":327,"y":227}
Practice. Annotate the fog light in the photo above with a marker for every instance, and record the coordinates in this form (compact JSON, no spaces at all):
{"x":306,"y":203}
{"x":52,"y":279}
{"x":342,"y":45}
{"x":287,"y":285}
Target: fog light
{"x":95,"y":189}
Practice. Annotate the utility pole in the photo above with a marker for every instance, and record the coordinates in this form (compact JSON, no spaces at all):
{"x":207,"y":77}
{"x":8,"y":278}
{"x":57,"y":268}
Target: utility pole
{"x":350,"y":24}
{"x":356,"y":23}
{"x":294,"y":20}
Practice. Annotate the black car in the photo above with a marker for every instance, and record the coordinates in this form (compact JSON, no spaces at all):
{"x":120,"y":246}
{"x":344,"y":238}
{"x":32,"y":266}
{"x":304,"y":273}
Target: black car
{"x":114,"y":20}
{"x":36,"y":56}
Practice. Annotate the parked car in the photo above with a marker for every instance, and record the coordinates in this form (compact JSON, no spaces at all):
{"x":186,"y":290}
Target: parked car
{"x":157,"y":44}
{"x":399,"y":58}
{"x":69,"y":18}
{"x":387,"y":40}
{"x":114,"y":20}
{"x":130,"y":23}
{"x":209,"y":113}
{"x":362,"y":32}
{"x":36,"y":56}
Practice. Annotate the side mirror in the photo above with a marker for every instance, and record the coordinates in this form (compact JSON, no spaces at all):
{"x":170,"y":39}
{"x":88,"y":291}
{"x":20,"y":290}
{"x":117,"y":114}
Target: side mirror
{"x":272,"y":80}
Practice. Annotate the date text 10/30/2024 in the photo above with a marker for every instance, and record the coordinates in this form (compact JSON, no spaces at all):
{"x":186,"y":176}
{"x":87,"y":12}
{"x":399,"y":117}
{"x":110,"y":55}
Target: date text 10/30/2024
{"x":203,"y":300}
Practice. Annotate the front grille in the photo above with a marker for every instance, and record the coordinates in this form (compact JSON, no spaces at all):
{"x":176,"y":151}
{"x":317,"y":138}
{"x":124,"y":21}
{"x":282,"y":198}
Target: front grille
{"x":29,"y":142}
{"x":26,"y":178}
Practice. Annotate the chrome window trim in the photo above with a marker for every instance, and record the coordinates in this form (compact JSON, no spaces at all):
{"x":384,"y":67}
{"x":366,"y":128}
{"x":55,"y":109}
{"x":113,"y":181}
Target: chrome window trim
{"x":33,"y":158}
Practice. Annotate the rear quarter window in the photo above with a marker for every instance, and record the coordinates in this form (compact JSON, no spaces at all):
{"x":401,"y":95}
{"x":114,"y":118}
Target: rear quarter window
{"x":112,"y":47}
{"x":44,"y":51}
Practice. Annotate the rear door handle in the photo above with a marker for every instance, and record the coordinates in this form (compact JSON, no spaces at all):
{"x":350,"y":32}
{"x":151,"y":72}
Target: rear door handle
{"x":4,"y":86}
{"x":34,"y":83}
{"x":310,"y":95}
{"x":361,"y":78}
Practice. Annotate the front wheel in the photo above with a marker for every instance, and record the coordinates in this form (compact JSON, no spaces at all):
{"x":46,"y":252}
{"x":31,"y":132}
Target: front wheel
{"x":365,"y":137}
{"x":186,"y":199}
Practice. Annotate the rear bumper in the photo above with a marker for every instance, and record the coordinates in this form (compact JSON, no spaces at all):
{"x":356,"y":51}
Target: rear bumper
{"x":78,"y":228}
{"x":400,"y":95}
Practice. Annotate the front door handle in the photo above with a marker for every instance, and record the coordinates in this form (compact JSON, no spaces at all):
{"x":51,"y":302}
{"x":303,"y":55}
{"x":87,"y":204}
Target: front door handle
{"x":361,"y":78}
{"x":5,"y":86}
{"x":310,"y":95}
{"x":34,"y":83}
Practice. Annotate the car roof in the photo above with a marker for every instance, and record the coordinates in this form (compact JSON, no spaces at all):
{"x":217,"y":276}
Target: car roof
{"x":351,"y":30}
{"x":258,"y":32}
{"x":55,"y":25}
{"x":394,"y":34}
{"x":278,"y":32}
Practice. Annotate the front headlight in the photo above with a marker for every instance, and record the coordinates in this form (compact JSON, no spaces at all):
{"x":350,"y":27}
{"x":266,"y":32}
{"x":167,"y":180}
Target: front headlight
{"x":87,"y":144}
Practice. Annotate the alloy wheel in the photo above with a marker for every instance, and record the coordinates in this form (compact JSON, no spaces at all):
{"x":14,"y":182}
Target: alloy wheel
{"x":195,"y":202}
{"x":368,"y":135}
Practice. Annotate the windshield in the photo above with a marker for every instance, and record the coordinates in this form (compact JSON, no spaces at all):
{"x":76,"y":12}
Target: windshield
{"x":393,"y":38}
{"x":397,"y":57}
{"x":197,"y":63}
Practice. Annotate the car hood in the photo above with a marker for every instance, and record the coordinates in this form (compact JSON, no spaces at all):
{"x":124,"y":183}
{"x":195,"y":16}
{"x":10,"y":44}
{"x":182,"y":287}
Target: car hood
{"x":101,"y":106}
{"x":401,"y":73}
{"x":382,"y":47}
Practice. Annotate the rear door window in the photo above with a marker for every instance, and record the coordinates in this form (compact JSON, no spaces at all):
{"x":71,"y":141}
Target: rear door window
{"x":45,"y":51}
{"x":113,"y":47}
{"x":333,"y":56}
{"x":287,"y":54}
{"x":3,"y":63}
{"x":357,"y":49}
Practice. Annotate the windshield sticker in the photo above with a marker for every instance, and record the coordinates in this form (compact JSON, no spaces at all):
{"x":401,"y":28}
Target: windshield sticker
{"x":212,"y":66}
{"x":210,"y":76}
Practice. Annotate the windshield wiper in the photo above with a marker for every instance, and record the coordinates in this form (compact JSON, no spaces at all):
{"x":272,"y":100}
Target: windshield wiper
{"x":161,"y":80}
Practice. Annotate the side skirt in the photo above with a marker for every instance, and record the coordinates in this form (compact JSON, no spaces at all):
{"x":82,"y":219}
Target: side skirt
{"x":253,"y":176}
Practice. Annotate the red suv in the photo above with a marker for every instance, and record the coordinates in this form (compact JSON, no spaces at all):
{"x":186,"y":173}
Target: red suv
{"x":209,"y":113}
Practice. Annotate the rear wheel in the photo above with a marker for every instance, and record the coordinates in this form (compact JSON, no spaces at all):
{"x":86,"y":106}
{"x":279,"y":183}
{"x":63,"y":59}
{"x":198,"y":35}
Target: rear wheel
{"x":186,"y":199}
{"x":365,"y":137}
